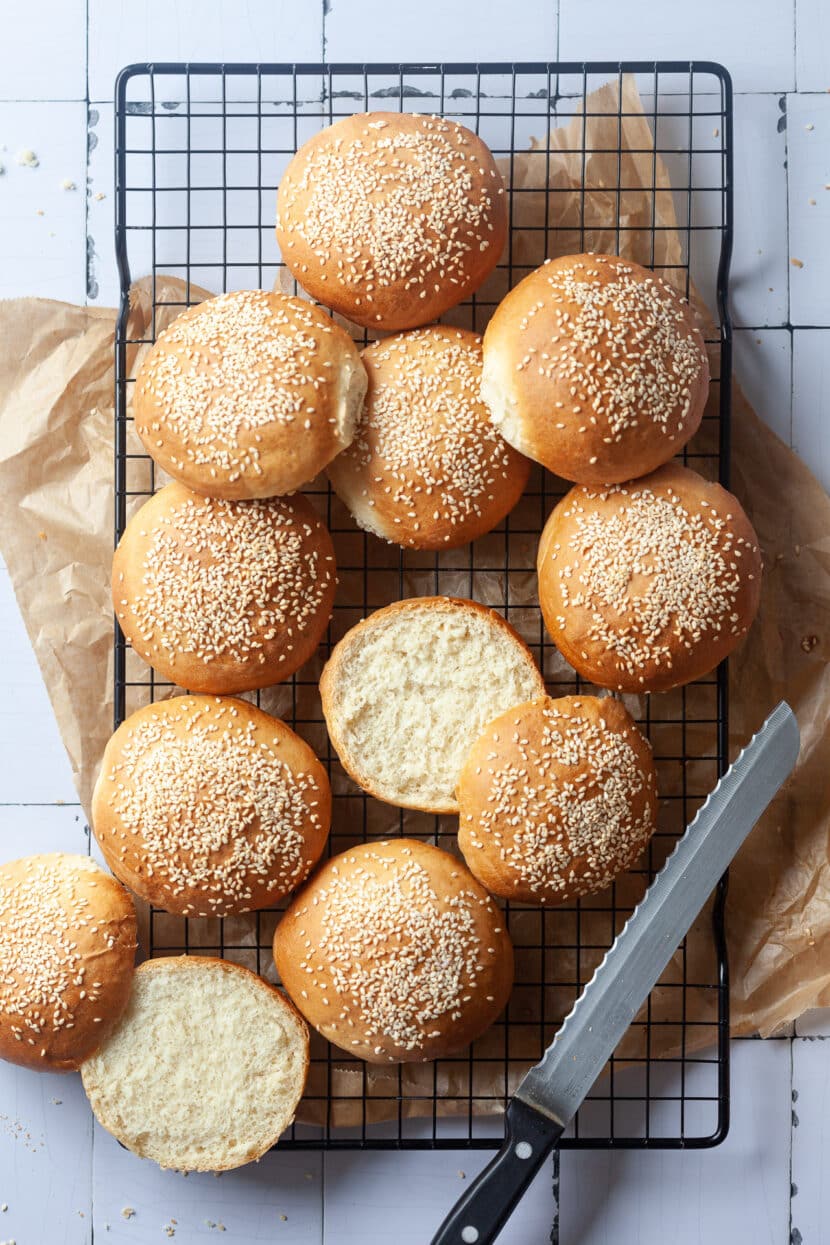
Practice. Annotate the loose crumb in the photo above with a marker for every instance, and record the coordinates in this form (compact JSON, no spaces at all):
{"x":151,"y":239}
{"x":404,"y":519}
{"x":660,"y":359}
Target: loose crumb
{"x":57,"y":1102}
{"x":715,"y":132}
{"x":462,"y":1175}
{"x":27,"y":158}
{"x":99,"y":196}
{"x":40,"y":212}
{"x":809,"y":126}
{"x":127,"y":1212}
{"x":4,"y":1207}
{"x":811,"y":202}
{"x":68,"y":184}
{"x":284,"y":1218}
{"x":796,"y":263}
{"x":809,"y":642}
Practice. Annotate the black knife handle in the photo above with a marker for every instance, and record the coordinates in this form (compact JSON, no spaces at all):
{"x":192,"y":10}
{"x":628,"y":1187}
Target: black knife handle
{"x":479,"y":1216}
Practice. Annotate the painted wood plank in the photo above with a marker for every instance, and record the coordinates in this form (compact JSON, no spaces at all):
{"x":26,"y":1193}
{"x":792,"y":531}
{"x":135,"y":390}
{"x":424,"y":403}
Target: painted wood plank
{"x":432,"y":30}
{"x":762,"y":363}
{"x":811,"y":400}
{"x":122,"y":32}
{"x":812,"y":45}
{"x":385,"y":1196}
{"x":33,"y":764}
{"x":708,"y":30}
{"x":277,"y":1199}
{"x":43,"y":51}
{"x":101,"y":272}
{"x":737,"y":1193}
{"x":810,"y":1142}
{"x":45,"y":1158}
{"x":42,"y":240}
{"x":808,"y":164}
{"x":759,"y":271}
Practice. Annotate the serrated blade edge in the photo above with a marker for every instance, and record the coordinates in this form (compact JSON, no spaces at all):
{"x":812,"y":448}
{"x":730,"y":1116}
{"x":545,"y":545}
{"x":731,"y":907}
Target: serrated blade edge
{"x":589,"y":1034}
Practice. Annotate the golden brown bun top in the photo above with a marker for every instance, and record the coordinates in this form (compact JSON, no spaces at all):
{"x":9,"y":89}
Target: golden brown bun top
{"x":67,"y":946}
{"x":244,"y":395}
{"x":649,"y":584}
{"x":224,"y":596}
{"x":395,"y":952}
{"x":426,"y":467}
{"x":556,"y":797}
{"x":206,"y":805}
{"x":602,"y":366}
{"x":391,"y":218}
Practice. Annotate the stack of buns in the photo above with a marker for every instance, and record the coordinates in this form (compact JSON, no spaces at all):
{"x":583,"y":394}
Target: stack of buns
{"x":224,"y":582}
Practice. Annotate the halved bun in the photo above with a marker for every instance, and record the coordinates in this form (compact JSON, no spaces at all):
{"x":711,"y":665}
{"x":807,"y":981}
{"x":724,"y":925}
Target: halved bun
{"x":206,"y":1068}
{"x":407,"y":691}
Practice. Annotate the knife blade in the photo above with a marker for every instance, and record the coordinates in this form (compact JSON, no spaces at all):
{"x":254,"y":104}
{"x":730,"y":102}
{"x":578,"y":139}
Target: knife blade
{"x":550,"y":1093}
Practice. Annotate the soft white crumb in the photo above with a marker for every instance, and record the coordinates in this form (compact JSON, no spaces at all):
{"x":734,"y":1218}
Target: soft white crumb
{"x":99,"y":195}
{"x":68,"y":184}
{"x":127,"y":1212}
{"x":27,"y":158}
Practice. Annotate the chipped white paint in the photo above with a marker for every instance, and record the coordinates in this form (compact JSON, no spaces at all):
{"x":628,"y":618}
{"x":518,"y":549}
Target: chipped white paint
{"x":61,"y":1179}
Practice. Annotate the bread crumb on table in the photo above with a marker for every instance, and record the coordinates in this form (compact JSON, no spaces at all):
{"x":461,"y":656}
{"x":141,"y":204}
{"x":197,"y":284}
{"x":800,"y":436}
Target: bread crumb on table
{"x":27,"y":158}
{"x":796,"y":263}
{"x":127,"y":1212}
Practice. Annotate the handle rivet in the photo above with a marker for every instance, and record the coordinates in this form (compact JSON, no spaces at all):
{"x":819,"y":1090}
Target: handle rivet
{"x":469,"y":1235}
{"x":523,"y":1150}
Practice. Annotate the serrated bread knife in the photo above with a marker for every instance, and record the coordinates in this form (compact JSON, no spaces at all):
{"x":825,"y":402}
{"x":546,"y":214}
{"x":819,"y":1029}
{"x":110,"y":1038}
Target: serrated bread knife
{"x":550,"y":1094}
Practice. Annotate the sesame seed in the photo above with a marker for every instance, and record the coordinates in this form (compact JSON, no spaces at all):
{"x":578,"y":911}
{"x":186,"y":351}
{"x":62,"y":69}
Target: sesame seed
{"x":402,"y":202}
{"x":208,"y":804}
{"x":426,"y":454}
{"x":221,"y":580}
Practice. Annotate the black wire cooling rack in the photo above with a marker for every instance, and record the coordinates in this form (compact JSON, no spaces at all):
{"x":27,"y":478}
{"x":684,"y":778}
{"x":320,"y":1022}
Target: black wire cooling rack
{"x":199,"y":153}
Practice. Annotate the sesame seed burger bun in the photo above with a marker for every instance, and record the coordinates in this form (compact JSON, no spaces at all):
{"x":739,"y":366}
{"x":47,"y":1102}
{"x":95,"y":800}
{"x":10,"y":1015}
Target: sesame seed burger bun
{"x":67,"y":949}
{"x":594,"y":367}
{"x":390,"y":218}
{"x":248,"y":395}
{"x":224,"y":596}
{"x":406,"y":692}
{"x":206,"y":806}
{"x":427,"y":469}
{"x":556,"y":798}
{"x":395,"y":953}
{"x":648,"y":585}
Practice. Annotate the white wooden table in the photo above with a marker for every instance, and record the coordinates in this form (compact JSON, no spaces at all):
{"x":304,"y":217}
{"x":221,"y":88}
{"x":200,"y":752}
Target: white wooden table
{"x":63,"y":1179}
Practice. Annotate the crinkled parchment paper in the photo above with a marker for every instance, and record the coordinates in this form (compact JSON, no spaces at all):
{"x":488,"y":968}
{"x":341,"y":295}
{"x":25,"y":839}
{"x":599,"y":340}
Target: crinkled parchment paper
{"x":56,"y":530}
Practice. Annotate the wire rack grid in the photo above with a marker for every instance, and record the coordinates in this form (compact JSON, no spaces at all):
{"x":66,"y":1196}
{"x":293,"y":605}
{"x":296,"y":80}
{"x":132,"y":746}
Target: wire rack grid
{"x":199,"y":153}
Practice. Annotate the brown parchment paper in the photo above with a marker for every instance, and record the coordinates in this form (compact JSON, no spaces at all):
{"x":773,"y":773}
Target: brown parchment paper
{"x":56,"y":532}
